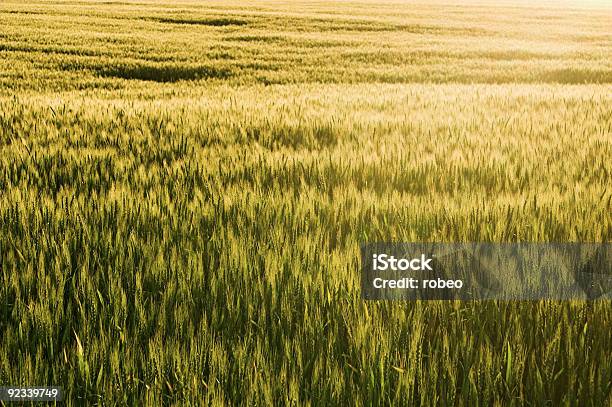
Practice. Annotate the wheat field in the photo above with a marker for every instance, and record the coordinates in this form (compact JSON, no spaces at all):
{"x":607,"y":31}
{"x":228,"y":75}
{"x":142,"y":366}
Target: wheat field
{"x":184,"y":190}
